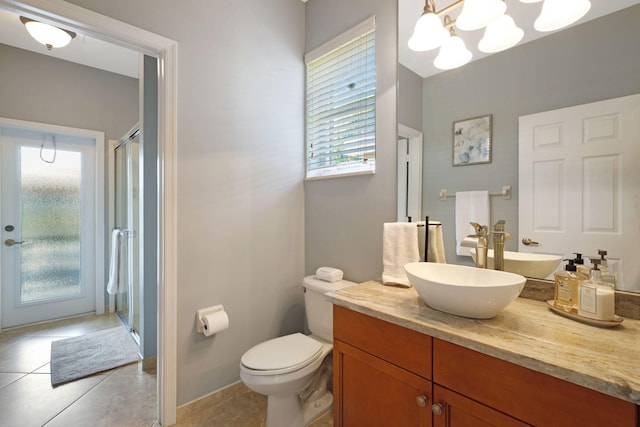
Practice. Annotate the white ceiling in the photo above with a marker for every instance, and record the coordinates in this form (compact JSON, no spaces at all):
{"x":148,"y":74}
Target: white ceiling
{"x":524,"y":15}
{"x":82,"y":50}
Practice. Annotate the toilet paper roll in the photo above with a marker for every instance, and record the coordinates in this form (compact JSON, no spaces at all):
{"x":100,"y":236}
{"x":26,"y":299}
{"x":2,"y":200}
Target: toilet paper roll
{"x":215,"y":322}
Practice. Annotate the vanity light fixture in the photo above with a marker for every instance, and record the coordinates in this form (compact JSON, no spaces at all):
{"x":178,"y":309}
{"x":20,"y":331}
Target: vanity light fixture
{"x":46,"y":34}
{"x":501,"y":32}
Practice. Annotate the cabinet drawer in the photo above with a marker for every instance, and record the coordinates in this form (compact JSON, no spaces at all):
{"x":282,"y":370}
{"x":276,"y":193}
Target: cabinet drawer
{"x":405,"y":348}
{"x":528,"y":395}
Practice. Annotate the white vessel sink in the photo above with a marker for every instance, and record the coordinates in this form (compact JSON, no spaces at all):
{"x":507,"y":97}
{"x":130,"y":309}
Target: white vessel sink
{"x":537,"y":266}
{"x":464,"y":291}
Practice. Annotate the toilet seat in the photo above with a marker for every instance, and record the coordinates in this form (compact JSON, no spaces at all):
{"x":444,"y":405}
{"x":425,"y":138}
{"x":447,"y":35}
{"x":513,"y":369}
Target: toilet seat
{"x":282,"y":355}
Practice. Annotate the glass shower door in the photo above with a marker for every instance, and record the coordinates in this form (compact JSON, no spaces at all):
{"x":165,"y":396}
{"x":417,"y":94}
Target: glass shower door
{"x":127,"y":220}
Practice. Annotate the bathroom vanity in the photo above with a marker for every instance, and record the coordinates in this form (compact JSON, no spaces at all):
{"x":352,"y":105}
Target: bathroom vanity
{"x":398,"y":361}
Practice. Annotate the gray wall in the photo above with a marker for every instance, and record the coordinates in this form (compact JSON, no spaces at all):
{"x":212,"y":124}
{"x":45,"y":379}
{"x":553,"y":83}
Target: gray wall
{"x":409,"y":98}
{"x":149,"y":167}
{"x":344,"y":216}
{"x":240,"y":193}
{"x":594,"y":61}
{"x":42,"y":89}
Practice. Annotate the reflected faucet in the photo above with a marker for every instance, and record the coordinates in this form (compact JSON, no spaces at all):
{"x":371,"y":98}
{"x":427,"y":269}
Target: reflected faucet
{"x":480,"y":242}
{"x":499,"y":236}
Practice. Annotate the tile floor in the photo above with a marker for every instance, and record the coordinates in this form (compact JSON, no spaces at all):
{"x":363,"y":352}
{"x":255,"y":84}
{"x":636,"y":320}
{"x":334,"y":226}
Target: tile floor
{"x":124,"y":396}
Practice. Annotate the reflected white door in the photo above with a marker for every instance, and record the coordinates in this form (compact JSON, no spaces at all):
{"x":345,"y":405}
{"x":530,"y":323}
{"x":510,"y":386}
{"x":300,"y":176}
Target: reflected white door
{"x":48,"y":226}
{"x":579,"y":183}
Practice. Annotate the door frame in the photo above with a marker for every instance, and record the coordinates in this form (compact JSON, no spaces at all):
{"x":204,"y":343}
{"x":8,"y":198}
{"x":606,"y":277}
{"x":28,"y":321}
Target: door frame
{"x":99,"y":229}
{"x":58,"y":12}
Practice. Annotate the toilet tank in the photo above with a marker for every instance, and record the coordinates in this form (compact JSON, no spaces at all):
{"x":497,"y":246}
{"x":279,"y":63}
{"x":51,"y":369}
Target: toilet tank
{"x":319,"y":310}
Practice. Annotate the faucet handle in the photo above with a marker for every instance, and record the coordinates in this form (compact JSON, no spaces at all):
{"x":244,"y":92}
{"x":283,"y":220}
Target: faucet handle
{"x":481,"y":230}
{"x":499,"y":227}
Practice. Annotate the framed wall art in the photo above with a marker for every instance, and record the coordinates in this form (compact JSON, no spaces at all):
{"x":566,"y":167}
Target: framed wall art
{"x":472,"y":141}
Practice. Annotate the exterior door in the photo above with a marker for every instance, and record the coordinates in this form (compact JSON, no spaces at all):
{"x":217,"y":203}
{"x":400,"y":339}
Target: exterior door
{"x":48,"y":225}
{"x":579,"y":180}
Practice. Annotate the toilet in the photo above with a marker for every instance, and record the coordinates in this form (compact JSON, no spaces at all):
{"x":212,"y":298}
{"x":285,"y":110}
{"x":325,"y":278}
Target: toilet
{"x":293,"y":370}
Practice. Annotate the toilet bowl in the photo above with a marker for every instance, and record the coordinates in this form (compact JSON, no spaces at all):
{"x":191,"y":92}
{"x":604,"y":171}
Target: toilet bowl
{"x":293,"y":370}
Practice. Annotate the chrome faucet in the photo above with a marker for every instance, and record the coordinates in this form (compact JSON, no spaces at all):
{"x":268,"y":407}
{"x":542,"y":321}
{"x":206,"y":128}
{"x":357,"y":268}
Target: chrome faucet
{"x":499,"y":236}
{"x":480,"y":242}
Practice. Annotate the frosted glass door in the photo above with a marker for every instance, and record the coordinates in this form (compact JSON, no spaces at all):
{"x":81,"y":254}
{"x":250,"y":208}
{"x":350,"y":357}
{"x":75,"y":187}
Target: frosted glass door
{"x":47,"y":219}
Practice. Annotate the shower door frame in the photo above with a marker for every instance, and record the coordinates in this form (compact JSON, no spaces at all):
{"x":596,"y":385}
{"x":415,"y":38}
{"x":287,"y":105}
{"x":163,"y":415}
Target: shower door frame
{"x":131,"y":232}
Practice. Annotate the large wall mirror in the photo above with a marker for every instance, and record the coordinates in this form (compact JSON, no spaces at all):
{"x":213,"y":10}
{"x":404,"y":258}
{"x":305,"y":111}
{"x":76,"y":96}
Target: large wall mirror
{"x":593,"y":60}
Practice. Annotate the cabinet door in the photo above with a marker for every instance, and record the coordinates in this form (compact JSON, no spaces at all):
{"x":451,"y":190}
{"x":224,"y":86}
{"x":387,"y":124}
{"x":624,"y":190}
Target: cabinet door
{"x":371,"y":392}
{"x":451,"y":409}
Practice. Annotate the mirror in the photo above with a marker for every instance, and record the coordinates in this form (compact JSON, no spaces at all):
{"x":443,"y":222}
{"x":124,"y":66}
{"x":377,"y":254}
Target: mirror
{"x":591,"y":61}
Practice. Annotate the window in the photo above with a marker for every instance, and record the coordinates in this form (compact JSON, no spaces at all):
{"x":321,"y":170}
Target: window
{"x":341,"y":104}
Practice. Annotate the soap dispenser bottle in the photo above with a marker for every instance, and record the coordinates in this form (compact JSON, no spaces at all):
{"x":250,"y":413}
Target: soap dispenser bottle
{"x":607,"y":273}
{"x":596,"y":297}
{"x":566,"y":287}
{"x":584,"y":270}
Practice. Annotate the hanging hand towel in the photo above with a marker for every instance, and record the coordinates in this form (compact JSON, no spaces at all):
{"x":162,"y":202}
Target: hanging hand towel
{"x":113,"y":287}
{"x":399,"y":247}
{"x":436,"y":242}
{"x":471,"y":206}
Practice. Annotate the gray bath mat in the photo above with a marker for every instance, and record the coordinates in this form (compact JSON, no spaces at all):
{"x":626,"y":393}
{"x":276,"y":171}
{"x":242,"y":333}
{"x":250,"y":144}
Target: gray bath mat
{"x":78,"y":357}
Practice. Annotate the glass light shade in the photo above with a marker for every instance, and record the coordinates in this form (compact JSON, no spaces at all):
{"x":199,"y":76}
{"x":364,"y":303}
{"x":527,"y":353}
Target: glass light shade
{"x":479,"y":13}
{"x":500,"y":34}
{"x":428,"y":33}
{"x":48,"y":35}
{"x":530,"y":1}
{"x":557,"y":14}
{"x":453,"y":54}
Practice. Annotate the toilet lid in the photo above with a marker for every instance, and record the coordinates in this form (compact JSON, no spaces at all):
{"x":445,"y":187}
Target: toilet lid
{"x":281,"y":353}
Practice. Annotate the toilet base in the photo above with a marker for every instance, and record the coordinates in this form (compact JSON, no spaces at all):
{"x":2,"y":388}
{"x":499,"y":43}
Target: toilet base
{"x":314,"y":410}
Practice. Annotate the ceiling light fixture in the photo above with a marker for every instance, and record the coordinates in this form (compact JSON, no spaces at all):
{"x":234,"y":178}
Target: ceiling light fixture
{"x":501,"y":32}
{"x":46,"y":34}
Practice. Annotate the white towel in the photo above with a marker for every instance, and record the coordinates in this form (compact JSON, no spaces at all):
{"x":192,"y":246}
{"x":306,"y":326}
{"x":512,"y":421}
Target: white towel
{"x":436,"y":242}
{"x":471,"y":206}
{"x":399,"y":247}
{"x":113,"y":287}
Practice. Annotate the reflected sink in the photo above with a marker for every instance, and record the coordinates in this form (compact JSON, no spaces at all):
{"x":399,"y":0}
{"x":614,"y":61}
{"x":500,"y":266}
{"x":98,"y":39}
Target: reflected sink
{"x":464,"y":291}
{"x":537,"y":266}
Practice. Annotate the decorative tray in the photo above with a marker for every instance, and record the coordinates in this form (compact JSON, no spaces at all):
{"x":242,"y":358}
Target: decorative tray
{"x":594,"y":322}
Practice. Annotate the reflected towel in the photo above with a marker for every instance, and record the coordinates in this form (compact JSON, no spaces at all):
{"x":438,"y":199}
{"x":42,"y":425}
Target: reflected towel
{"x":436,"y":242}
{"x":471,"y":206}
{"x":113,"y":286}
{"x":399,"y":247}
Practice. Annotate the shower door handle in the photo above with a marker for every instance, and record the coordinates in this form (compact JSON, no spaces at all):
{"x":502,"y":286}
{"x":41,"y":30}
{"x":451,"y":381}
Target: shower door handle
{"x":11,"y":242}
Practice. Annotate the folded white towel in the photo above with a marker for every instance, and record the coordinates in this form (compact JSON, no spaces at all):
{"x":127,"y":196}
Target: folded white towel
{"x":399,"y":247}
{"x":113,"y":287}
{"x":329,"y":274}
{"x":471,"y":206}
{"x":436,"y":242}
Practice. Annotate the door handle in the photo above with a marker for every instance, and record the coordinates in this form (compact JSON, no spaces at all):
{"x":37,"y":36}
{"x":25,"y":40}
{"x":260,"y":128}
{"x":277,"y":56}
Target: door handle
{"x":528,"y":242}
{"x":11,"y":242}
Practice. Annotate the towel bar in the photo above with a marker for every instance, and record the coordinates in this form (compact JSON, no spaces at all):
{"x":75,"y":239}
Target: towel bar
{"x":506,"y":193}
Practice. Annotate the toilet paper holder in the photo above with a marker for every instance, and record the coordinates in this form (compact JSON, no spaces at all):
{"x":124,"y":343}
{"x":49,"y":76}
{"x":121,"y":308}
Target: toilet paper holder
{"x":203,"y":312}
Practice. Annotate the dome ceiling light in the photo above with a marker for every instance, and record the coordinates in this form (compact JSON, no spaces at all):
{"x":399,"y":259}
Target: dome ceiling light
{"x":46,"y":34}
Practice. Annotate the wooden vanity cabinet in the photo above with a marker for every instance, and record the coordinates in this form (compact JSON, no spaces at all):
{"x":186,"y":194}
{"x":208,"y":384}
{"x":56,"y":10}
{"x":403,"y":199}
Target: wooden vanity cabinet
{"x":528,"y":395}
{"x":381,"y":373}
{"x":387,"y":375}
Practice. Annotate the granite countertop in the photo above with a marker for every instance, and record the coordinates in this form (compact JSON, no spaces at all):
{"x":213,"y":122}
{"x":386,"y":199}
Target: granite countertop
{"x":526,"y":333}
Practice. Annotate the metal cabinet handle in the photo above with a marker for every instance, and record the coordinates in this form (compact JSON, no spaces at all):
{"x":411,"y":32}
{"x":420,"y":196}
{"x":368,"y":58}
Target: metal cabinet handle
{"x":436,"y":408}
{"x":11,"y":242}
{"x":422,"y":400}
{"x":528,"y":242}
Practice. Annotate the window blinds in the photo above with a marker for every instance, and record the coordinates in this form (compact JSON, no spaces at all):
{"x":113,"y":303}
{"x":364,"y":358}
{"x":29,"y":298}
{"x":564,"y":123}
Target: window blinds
{"x":341,"y":104}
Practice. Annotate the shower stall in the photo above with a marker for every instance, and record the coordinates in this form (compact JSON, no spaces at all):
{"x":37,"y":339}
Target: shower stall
{"x":126,"y":205}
